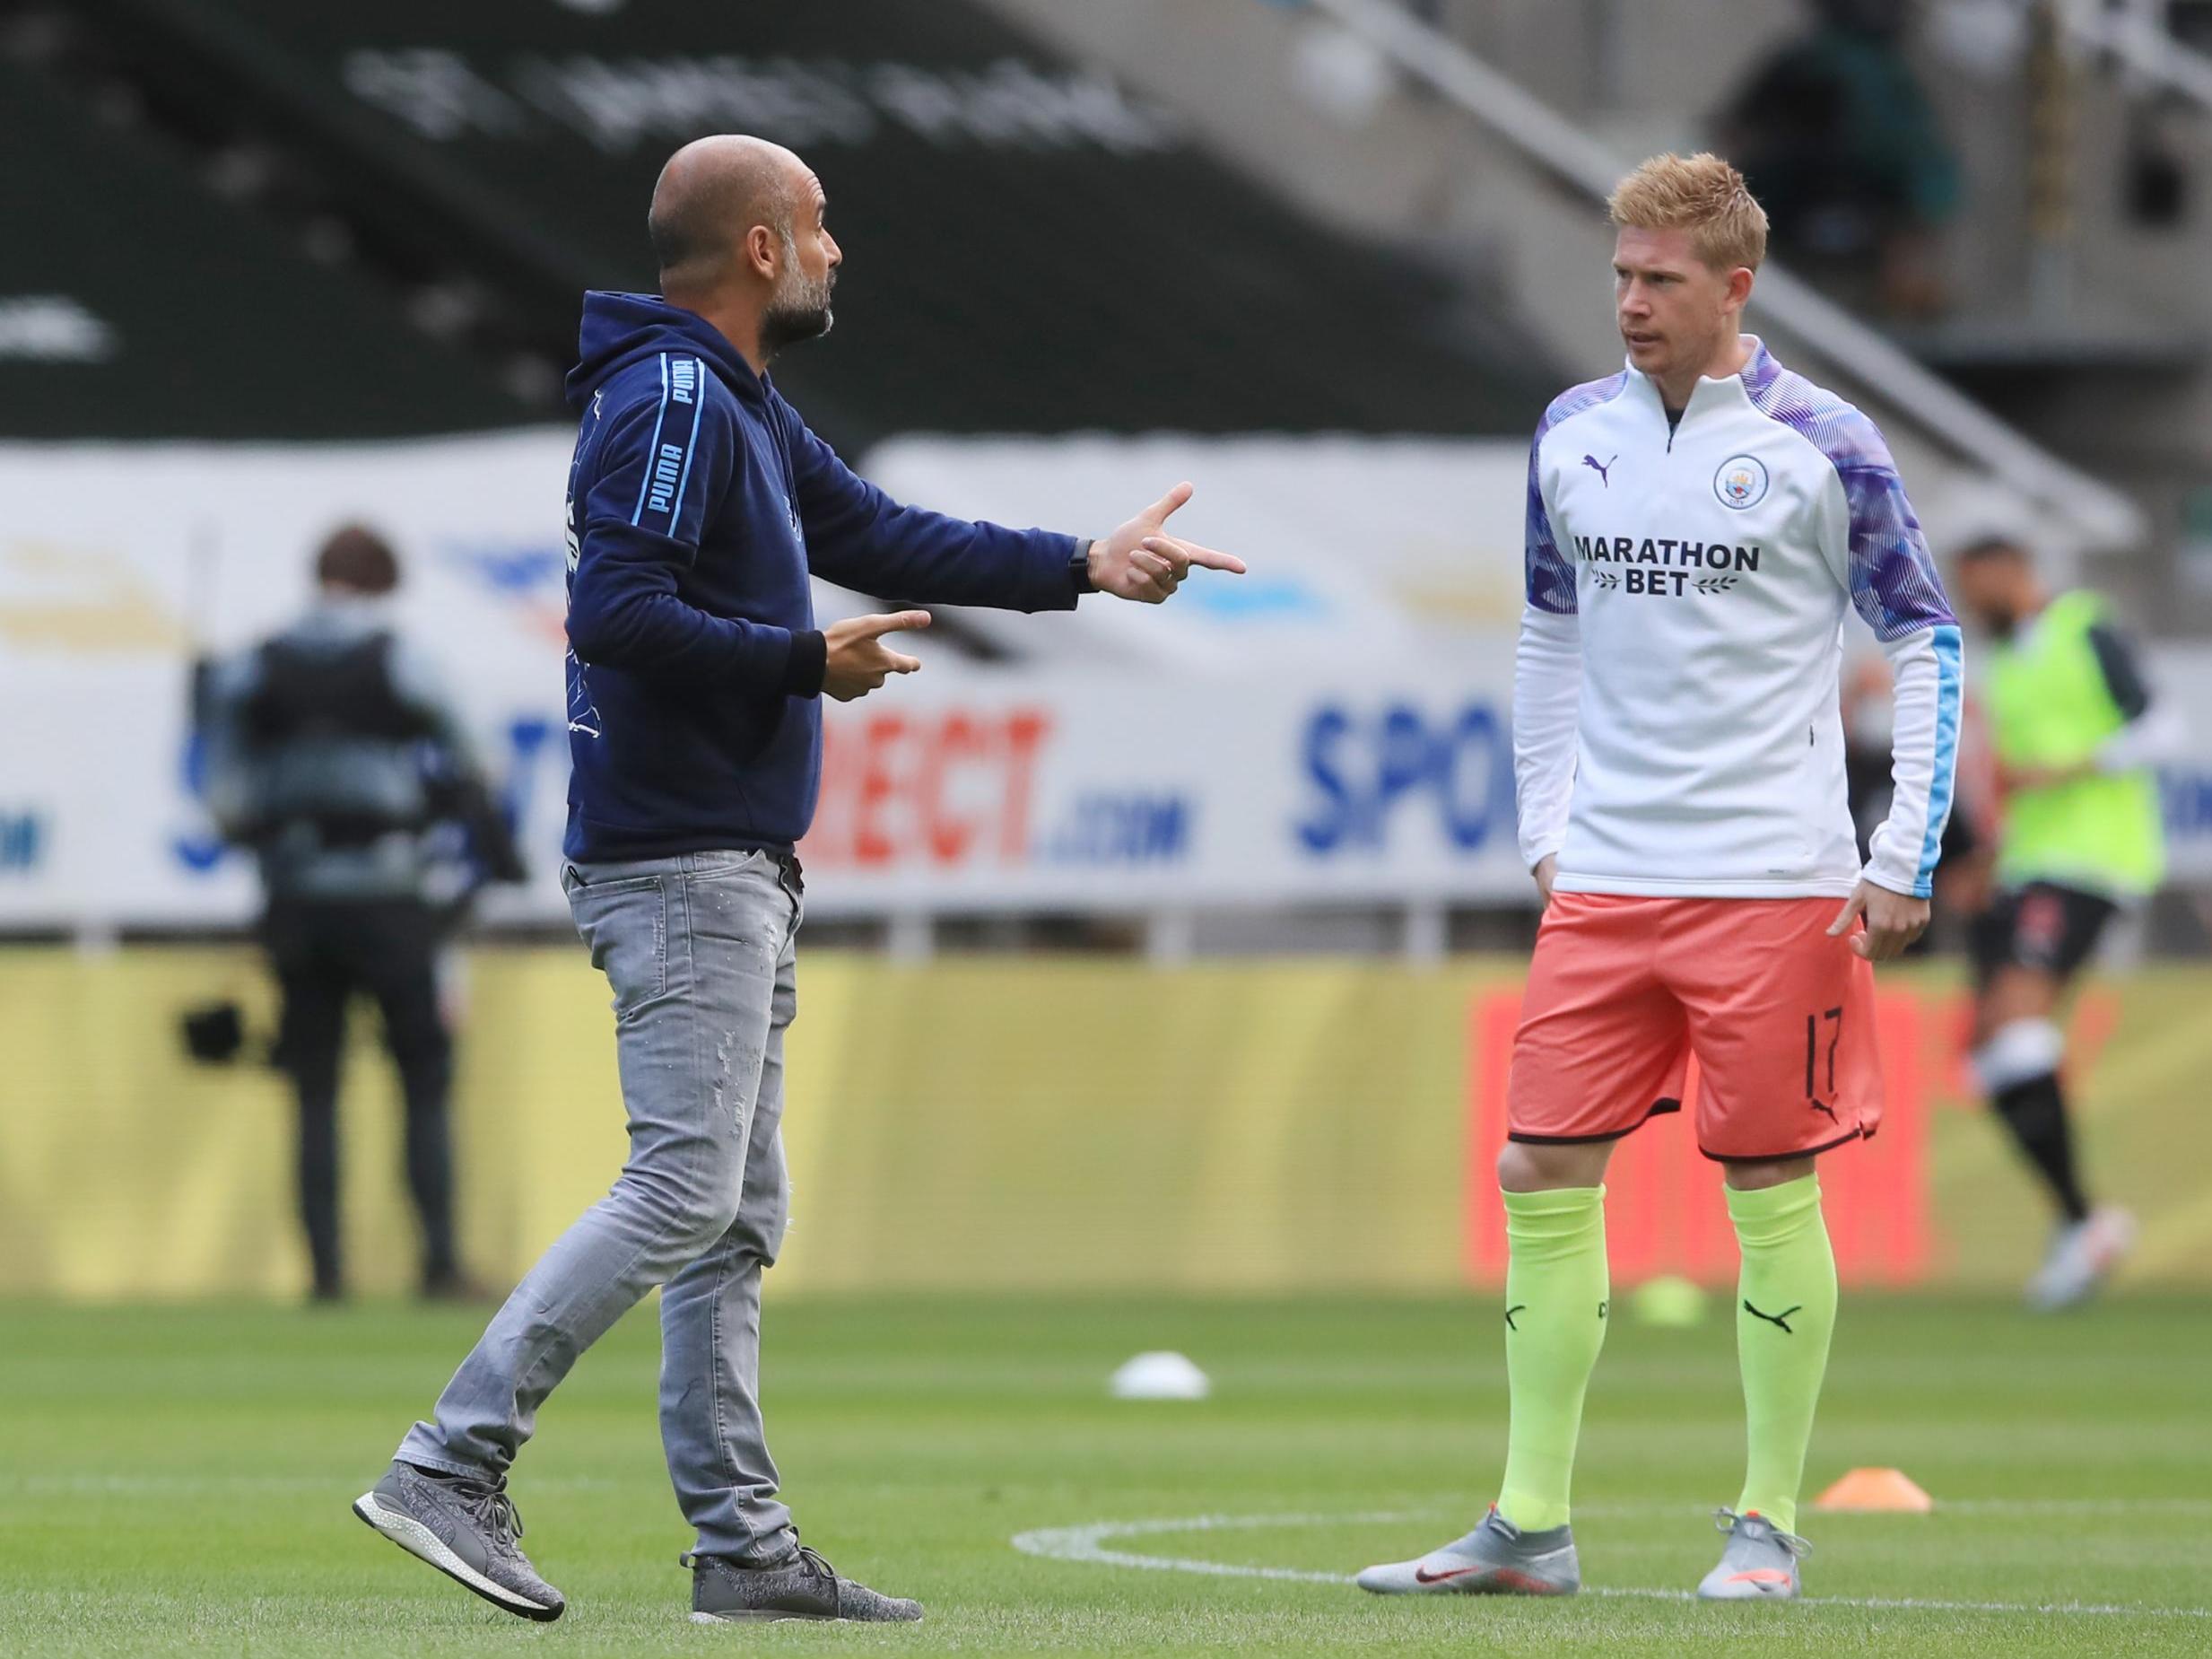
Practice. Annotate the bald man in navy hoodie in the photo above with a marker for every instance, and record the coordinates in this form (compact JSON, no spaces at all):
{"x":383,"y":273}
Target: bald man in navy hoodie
{"x":699,"y":504}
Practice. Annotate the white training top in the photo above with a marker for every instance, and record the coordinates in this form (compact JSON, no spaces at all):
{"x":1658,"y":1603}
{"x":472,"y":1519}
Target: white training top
{"x":1677,"y":725}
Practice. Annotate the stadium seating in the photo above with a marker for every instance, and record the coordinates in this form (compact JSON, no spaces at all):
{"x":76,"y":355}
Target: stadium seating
{"x":145,"y":305}
{"x":1030,"y":247}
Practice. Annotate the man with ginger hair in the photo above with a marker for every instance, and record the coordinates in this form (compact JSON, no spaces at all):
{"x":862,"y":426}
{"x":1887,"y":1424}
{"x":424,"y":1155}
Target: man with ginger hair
{"x":1698,"y":524}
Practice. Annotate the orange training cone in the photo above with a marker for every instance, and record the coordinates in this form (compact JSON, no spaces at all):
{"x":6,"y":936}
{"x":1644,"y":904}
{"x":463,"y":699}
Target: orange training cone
{"x":1876,"y":1491}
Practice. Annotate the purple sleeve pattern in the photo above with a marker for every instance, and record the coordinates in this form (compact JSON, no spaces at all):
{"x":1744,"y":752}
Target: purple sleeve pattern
{"x":1550,"y":576}
{"x":1892,"y":579}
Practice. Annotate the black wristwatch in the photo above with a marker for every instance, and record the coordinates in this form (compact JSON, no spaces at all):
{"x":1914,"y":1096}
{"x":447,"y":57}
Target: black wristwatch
{"x":1079,"y":570}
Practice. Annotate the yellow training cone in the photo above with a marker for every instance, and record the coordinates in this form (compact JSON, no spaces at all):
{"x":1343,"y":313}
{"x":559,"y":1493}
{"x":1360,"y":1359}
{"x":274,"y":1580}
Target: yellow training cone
{"x":1876,"y":1491}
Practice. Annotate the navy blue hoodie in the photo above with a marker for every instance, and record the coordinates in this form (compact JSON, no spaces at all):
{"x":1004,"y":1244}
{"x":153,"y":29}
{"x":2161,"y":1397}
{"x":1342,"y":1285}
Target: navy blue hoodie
{"x":698,"y":503}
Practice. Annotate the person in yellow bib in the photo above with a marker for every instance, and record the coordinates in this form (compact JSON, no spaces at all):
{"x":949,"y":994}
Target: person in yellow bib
{"x":2076,"y":736}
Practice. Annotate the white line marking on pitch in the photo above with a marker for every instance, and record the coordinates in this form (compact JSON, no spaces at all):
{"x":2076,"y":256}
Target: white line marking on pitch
{"x":1088,"y":1544}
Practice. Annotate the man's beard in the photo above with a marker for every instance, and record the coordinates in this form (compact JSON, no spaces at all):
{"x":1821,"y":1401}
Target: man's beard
{"x":800,"y":313}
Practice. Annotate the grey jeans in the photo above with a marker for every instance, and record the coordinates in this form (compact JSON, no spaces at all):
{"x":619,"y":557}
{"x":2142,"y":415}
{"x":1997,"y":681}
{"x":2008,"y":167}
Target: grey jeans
{"x":701,"y":953}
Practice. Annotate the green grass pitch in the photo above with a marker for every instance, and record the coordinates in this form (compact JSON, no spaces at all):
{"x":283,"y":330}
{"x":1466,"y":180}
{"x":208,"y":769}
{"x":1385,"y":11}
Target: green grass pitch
{"x":176,"y":1480}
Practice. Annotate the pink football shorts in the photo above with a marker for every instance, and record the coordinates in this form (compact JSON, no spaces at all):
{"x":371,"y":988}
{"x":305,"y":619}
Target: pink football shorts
{"x":1624,"y":990}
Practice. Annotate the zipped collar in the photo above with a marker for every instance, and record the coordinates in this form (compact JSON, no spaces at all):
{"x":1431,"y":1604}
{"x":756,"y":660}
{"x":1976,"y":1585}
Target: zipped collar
{"x":1759,"y":370}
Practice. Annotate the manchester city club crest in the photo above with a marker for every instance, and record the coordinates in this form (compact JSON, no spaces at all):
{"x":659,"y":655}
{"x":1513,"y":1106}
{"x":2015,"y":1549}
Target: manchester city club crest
{"x":1741,"y":482}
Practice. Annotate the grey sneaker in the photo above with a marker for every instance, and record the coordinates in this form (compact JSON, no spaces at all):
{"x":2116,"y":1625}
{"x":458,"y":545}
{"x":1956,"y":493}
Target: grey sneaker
{"x":465,"y":1528}
{"x":1497,"y":1558}
{"x":2082,"y":1256}
{"x":1759,"y":1562}
{"x":804,"y":1586}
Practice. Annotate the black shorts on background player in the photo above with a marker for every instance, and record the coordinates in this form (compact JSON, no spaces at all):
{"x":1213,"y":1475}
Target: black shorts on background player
{"x":2044,"y":926}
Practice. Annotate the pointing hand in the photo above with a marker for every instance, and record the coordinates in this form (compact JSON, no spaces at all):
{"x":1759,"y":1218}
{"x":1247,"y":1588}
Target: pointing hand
{"x":1141,"y":561}
{"x":858,"y":660}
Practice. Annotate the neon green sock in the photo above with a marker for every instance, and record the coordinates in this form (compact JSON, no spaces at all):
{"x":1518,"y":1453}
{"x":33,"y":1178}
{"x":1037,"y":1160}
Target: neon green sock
{"x":1785,"y":1314}
{"x":1555,"y":1290}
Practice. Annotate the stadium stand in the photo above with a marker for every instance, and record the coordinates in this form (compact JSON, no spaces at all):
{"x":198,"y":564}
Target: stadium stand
{"x":148,"y":307}
{"x":991,"y":192}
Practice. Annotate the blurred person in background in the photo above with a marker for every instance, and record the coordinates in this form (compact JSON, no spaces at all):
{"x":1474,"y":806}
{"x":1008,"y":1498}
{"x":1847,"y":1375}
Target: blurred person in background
{"x":335,"y":756}
{"x":699,"y":505}
{"x":2078,"y":735}
{"x":1842,"y":145}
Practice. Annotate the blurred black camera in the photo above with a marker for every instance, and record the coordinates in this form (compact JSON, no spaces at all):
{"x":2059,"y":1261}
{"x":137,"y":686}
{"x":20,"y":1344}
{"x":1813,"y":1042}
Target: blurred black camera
{"x":215,"y":1034}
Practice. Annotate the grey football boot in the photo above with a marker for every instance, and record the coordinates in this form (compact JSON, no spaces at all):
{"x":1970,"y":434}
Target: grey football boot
{"x":802,"y":1586}
{"x":1497,"y":1558}
{"x":1759,"y":1563}
{"x":464,"y":1527}
{"x":2082,"y":1256}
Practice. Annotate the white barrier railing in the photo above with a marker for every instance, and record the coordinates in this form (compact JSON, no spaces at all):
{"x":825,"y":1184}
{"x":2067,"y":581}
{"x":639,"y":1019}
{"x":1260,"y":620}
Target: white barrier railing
{"x":2102,"y":516}
{"x":2135,"y":35}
